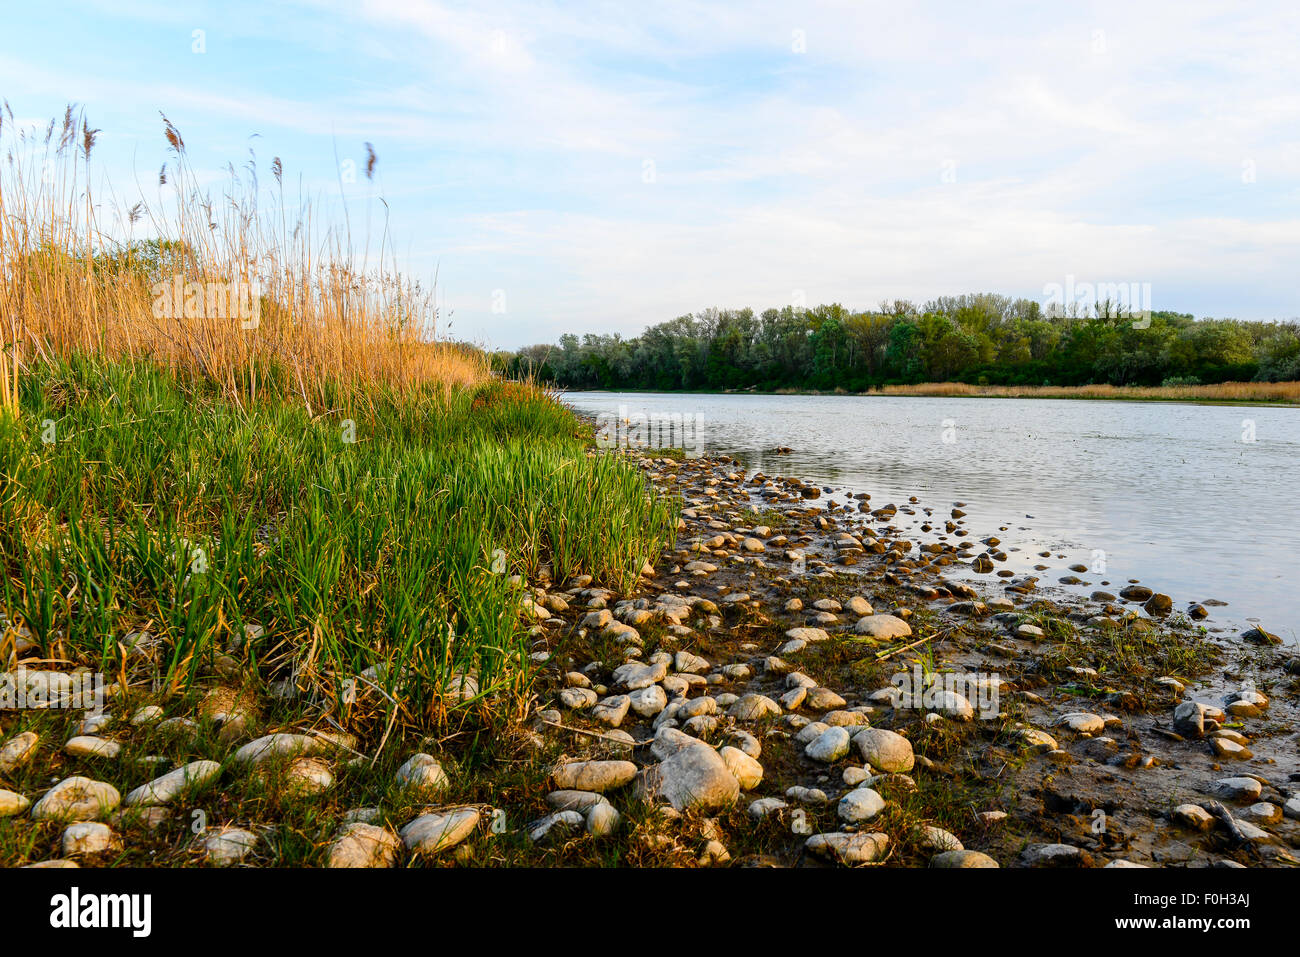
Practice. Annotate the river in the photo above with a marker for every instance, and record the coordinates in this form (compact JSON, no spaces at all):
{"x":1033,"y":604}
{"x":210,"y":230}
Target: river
{"x":1197,"y":501}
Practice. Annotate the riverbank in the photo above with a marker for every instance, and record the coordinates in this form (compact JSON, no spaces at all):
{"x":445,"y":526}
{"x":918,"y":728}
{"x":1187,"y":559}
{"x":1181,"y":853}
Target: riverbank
{"x":1224,"y":393}
{"x":792,"y":684}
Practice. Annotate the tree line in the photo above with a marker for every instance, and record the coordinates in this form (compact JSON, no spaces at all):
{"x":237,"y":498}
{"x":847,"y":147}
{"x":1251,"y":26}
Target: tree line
{"x":981,"y":339}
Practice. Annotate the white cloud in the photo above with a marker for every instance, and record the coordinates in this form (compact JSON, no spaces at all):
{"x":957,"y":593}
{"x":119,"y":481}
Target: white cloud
{"x":1107,"y":140}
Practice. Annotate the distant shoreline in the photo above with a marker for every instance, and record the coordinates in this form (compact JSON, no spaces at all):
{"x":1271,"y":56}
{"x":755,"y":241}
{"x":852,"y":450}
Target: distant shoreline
{"x":1280,"y":394}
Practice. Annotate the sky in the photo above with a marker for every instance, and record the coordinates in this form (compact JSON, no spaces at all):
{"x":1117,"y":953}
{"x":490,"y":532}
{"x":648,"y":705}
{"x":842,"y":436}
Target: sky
{"x":600,"y":167}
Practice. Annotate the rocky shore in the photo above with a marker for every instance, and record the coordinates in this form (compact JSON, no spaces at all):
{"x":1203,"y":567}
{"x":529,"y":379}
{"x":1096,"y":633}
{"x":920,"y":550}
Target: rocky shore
{"x":796,"y":684}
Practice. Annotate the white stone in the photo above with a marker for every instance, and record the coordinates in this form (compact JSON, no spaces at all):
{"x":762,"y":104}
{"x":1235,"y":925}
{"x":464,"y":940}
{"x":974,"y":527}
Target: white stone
{"x":829,"y":746}
{"x":228,"y":845}
{"x":89,"y":746}
{"x":430,"y":834}
{"x":593,"y":776}
{"x":17,"y":751}
{"x":423,"y":775}
{"x":89,"y":837}
{"x":188,"y":779}
{"x":747,"y":771}
{"x":885,"y":750}
{"x":77,"y":798}
{"x":12,"y":803}
{"x":860,"y":804}
{"x":1082,"y":722}
{"x":751,"y":707}
{"x":844,"y":848}
{"x":882,"y":626}
{"x":362,"y":845}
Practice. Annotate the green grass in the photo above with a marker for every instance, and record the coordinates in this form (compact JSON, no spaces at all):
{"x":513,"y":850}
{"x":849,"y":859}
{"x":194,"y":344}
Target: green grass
{"x":391,"y":534}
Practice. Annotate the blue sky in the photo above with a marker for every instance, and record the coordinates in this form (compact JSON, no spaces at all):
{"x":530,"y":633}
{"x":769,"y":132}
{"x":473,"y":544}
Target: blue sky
{"x":597,"y":167}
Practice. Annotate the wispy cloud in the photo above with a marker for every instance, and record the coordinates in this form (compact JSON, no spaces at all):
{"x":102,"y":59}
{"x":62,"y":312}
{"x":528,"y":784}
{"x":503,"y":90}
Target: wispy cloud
{"x":607,"y":167}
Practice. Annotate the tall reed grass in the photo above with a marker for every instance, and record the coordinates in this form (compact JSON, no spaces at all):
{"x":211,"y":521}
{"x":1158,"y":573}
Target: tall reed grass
{"x":368,"y":496}
{"x":74,"y":277}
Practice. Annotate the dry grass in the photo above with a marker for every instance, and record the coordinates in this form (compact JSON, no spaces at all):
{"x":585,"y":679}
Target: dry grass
{"x":1285,"y":392}
{"x":72,"y":281}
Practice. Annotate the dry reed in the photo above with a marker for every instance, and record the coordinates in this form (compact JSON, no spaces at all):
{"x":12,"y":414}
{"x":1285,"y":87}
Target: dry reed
{"x":311,"y":321}
{"x":1284,"y":392}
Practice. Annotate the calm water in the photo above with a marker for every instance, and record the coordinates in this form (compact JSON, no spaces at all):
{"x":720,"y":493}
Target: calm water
{"x":1173,"y":495}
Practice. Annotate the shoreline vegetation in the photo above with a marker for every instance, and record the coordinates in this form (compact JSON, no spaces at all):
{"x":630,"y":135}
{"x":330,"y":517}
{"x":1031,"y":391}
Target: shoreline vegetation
{"x":1229,"y":393}
{"x":350,"y":600}
{"x":980,"y":343}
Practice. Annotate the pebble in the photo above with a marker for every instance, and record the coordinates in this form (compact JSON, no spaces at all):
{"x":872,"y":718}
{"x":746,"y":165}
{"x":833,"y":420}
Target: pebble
{"x":952,"y":706}
{"x":844,"y":848}
{"x":228,"y":845}
{"x":1227,"y":748}
{"x":693,"y":776}
{"x":555,"y":826}
{"x":77,"y":798}
{"x":429,"y":834}
{"x":88,"y":746}
{"x":882,"y":626}
{"x":190,"y":778}
{"x":765,"y":806}
{"x":12,"y":803}
{"x":747,"y":771}
{"x":853,"y":776}
{"x":1236,"y":789}
{"x":17,"y":751}
{"x":885,"y":750}
{"x":612,"y":710}
{"x":94,"y":722}
{"x":751,"y":707}
{"x":1052,"y":855}
{"x":859,"y":606}
{"x":149,"y":714}
{"x":860,"y":804}
{"x":937,"y":839}
{"x":602,"y":819}
{"x":823,"y":699}
{"x":577,"y":699}
{"x":829,"y":746}
{"x":1189,"y":719}
{"x":272,"y":746}
{"x":635,"y":676}
{"x":648,"y":702}
{"x":810,"y":731}
{"x":306,"y":777}
{"x":715,"y":852}
{"x":807,"y":795}
{"x":1261,"y":813}
{"x":952,"y":859}
{"x":594,"y":776}
{"x":747,"y":743}
{"x":581,"y":801}
{"x":688,"y":663}
{"x":1082,"y":722}
{"x":149,"y":818}
{"x":360,"y":844}
{"x":423,"y":775}
{"x":1193,"y":816}
{"x":89,"y":837}
{"x":1039,"y":741}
